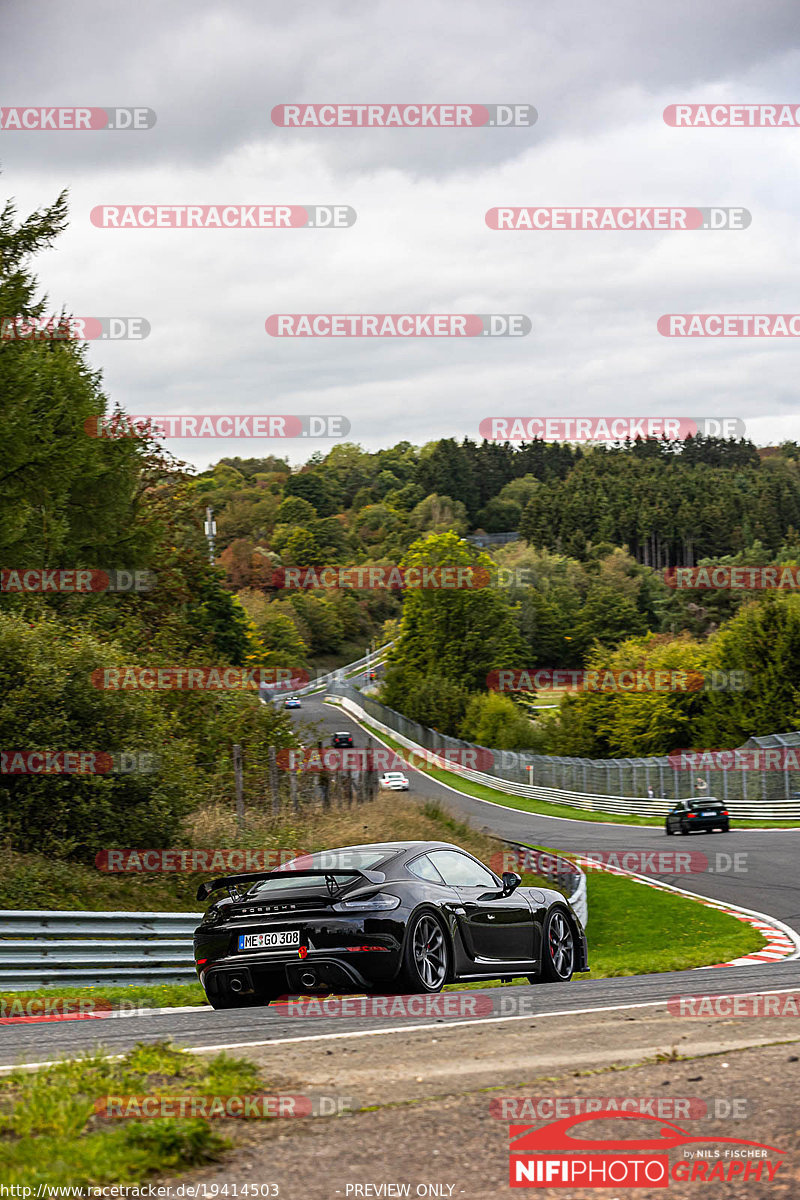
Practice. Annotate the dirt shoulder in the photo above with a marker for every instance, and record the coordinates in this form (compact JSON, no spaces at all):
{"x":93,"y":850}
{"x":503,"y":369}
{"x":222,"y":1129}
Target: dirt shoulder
{"x":432,"y":1096}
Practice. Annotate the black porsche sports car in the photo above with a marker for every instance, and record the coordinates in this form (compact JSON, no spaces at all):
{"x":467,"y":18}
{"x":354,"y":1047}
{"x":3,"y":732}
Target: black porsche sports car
{"x":396,"y":917}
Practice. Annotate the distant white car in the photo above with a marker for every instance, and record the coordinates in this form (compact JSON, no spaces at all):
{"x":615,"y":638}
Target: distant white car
{"x":395,"y":781}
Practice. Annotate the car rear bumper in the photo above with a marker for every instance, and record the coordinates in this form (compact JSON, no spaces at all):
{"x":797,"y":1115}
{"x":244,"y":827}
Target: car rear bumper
{"x":346,"y":953}
{"x":231,"y":978}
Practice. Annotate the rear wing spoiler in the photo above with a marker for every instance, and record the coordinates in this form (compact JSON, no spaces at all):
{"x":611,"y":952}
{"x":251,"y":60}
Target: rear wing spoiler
{"x":232,"y":882}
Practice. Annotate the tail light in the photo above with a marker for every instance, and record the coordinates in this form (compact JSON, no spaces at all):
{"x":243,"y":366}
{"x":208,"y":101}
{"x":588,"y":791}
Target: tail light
{"x":692,"y":816}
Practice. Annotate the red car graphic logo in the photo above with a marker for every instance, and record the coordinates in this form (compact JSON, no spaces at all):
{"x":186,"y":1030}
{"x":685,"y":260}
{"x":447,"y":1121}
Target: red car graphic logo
{"x":527,"y":1139}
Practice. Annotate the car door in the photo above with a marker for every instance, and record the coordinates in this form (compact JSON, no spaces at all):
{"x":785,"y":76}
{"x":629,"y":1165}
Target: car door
{"x":495,"y":928}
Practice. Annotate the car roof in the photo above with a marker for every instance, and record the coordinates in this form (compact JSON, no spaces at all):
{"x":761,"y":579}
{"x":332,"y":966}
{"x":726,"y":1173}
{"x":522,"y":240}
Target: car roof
{"x":397,"y":847}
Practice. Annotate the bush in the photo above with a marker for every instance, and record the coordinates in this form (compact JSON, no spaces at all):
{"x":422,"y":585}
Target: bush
{"x":496,"y":721}
{"x":50,"y":704}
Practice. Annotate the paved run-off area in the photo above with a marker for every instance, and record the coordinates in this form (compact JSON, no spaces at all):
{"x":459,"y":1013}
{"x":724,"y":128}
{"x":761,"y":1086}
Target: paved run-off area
{"x":432,"y":1097}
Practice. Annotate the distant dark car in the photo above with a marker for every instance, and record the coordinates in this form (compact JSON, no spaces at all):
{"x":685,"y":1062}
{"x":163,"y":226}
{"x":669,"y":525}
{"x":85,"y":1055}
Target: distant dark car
{"x":342,"y":739}
{"x":701,"y":812}
{"x":395,"y":917}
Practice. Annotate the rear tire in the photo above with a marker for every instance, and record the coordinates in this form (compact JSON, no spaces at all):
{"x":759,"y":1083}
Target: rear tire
{"x":558,"y":948}
{"x":426,"y":957}
{"x":669,"y":832}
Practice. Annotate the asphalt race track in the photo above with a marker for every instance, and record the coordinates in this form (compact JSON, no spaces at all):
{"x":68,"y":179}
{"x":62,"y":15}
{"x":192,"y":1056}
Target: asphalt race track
{"x":768,"y":884}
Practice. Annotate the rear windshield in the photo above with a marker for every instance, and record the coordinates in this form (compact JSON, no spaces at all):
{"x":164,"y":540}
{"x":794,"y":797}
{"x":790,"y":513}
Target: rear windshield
{"x":332,"y":861}
{"x":710,"y":803}
{"x":294,"y":883}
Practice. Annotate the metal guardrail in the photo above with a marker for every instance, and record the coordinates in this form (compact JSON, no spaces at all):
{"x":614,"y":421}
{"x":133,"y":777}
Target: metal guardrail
{"x":48,"y":948}
{"x":414,"y":736}
{"x":43,"y":948}
{"x":268,"y":693}
{"x":483,"y":540}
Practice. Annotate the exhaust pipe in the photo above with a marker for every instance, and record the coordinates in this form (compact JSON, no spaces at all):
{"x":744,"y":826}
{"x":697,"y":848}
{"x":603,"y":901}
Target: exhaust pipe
{"x":236,"y":985}
{"x":308,"y":979}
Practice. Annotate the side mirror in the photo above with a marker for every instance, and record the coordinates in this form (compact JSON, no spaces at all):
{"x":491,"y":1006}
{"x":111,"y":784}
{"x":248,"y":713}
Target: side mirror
{"x":511,"y":882}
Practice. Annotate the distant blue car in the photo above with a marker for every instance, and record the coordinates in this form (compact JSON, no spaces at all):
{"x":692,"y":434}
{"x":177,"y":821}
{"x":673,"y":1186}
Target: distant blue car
{"x":292,"y":702}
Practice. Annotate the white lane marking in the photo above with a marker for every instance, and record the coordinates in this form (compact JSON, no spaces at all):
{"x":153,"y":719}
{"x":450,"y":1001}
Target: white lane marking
{"x":359,"y":1033}
{"x":565,"y":1012}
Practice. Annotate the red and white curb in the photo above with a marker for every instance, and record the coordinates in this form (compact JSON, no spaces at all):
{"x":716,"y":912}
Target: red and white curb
{"x":783,"y":943}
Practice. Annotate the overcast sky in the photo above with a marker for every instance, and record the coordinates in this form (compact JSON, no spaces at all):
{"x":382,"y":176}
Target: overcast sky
{"x":599,"y":77}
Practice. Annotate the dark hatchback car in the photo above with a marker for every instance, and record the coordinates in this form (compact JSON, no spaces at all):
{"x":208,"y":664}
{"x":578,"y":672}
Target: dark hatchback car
{"x":700,"y":813}
{"x":342,"y":740}
{"x":397,"y":917}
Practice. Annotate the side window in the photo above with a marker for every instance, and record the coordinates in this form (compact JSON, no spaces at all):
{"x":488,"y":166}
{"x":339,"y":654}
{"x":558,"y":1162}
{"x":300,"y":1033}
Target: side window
{"x":459,"y":871}
{"x":423,"y":868}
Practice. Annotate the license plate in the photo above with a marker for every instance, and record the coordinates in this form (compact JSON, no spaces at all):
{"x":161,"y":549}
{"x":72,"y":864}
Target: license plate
{"x":709,"y":814}
{"x":269,"y":941}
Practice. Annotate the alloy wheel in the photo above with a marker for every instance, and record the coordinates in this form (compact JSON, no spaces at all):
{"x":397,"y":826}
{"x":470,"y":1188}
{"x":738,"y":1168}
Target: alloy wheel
{"x":430,"y":953}
{"x":561,"y":945}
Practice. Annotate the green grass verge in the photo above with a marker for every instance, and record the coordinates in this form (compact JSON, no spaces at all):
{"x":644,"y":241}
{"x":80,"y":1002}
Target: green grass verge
{"x":545,"y":807}
{"x":50,"y":1132}
{"x":638,"y":930}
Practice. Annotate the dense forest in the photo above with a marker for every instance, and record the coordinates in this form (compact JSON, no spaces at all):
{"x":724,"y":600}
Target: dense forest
{"x":580,"y":584}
